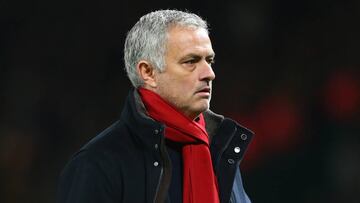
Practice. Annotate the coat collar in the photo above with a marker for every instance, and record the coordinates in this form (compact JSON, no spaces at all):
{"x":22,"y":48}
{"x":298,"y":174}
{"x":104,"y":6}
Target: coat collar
{"x":223,"y":132}
{"x":145,"y":129}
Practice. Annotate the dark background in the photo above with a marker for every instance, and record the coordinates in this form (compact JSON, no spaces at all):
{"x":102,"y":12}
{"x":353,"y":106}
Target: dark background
{"x":288,"y":70}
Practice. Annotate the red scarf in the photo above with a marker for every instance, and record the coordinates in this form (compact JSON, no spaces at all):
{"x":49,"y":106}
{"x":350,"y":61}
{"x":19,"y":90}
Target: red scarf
{"x":199,"y":181}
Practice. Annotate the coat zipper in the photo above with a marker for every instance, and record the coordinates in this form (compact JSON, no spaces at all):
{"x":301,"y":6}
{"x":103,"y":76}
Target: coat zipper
{"x":163,"y":183}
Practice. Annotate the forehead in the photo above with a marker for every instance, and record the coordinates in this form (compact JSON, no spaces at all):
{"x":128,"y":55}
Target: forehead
{"x":186,"y":40}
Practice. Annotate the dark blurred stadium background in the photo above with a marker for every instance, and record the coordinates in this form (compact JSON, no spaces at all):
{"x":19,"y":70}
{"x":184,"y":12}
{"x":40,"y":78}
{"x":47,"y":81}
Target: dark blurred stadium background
{"x":288,"y":70}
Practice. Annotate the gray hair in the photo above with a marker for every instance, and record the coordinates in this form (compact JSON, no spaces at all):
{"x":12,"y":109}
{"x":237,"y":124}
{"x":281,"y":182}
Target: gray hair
{"x":147,"y":39}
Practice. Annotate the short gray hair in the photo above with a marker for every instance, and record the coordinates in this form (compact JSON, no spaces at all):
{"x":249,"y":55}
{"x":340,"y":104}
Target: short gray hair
{"x":147,"y":39}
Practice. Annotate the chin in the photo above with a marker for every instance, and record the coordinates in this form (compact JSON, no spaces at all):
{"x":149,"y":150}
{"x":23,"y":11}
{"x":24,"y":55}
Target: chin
{"x":202,"y":108}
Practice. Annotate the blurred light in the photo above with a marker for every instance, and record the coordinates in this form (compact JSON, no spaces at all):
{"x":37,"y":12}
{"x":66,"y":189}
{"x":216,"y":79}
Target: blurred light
{"x":277,"y":123}
{"x":342,"y":95}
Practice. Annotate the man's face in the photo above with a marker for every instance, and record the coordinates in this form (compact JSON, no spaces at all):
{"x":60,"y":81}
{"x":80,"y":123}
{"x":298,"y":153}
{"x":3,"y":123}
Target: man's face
{"x":186,"y":80}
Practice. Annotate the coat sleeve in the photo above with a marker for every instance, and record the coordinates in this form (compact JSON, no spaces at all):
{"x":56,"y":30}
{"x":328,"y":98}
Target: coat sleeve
{"x":238,"y":192}
{"x":89,"y":178}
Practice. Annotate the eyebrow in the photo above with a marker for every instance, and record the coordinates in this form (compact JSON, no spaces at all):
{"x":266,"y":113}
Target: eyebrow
{"x":192,"y":55}
{"x":212,"y":55}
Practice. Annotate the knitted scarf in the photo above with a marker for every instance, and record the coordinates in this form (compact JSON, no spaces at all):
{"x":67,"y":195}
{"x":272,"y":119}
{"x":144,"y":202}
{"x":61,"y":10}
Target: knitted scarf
{"x":199,"y":180}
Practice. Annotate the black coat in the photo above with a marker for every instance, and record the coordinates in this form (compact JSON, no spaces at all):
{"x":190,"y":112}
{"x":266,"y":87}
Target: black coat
{"x":129,"y":161}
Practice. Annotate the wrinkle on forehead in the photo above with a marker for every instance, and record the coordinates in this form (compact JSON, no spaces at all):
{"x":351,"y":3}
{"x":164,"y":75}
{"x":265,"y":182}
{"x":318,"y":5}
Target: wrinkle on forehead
{"x":187,"y":40}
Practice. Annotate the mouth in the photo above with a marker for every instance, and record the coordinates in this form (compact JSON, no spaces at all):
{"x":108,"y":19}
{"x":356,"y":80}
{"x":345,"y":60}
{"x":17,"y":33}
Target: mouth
{"x":205,"y":92}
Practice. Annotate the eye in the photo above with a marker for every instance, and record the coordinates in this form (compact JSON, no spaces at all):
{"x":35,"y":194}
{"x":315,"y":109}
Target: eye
{"x":190,"y":61}
{"x":210,"y":60}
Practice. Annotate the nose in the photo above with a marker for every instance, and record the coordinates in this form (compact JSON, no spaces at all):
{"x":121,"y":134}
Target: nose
{"x":207,"y":72}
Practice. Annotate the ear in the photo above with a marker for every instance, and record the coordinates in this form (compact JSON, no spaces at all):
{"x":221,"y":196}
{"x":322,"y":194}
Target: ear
{"x":147,"y":73}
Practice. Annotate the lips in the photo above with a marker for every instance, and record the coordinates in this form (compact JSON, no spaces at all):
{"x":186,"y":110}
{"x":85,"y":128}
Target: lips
{"x":205,"y":91}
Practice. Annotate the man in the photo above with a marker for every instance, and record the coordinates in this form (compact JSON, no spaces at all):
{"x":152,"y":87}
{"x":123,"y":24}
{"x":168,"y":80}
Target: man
{"x":167,"y":146}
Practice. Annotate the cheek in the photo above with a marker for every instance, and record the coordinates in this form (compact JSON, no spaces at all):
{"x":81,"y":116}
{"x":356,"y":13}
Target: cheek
{"x":186,"y":87}
{"x":177,"y":86}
